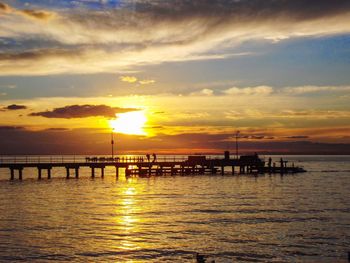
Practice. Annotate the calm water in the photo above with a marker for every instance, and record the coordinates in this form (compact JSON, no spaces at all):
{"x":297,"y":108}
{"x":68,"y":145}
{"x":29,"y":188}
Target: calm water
{"x":295,"y":218}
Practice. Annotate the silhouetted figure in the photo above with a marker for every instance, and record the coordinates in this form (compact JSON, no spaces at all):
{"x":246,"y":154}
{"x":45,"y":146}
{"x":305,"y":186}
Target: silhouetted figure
{"x":282,"y":163}
{"x":148,"y":157}
{"x":154,"y":157}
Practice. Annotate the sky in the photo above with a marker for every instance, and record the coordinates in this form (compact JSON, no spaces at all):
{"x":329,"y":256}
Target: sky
{"x":174,"y":76}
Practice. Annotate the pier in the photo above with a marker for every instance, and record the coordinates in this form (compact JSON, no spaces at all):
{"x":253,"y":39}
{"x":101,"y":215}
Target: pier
{"x":145,"y":167}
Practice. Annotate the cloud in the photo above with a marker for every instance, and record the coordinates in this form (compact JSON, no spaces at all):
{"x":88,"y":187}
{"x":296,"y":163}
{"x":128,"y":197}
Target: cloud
{"x":8,"y":86}
{"x":15,"y":107}
{"x":260,"y":90}
{"x":133,"y":79}
{"x":151,"y":32}
{"x":82,"y":111}
{"x":38,"y":14}
{"x":129,"y":79}
{"x":11,"y":128}
{"x":147,"y":81}
{"x":203,"y":92}
{"x":35,"y":14}
{"x":5,"y":8}
{"x":298,"y":137}
{"x":315,"y":89}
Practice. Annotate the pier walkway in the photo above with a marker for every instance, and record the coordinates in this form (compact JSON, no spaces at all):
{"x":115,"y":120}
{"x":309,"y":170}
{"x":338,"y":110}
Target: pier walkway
{"x":144,"y":167}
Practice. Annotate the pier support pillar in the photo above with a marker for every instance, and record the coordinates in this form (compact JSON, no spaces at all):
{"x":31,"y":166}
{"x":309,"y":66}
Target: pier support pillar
{"x":49,"y":173}
{"x":102,"y":172}
{"x":116,"y":171}
{"x":20,"y":170}
{"x":67,"y":173}
{"x":39,"y":173}
{"x":12,"y":171}
{"x":149,"y":170}
{"x":77,"y":172}
{"x":241,"y":169}
{"x":233,"y":170}
{"x":222,"y":170}
{"x":93,"y":172}
{"x":140,"y":170}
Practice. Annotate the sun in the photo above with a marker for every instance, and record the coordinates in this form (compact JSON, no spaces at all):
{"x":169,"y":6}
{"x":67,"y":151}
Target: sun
{"x":129,"y":123}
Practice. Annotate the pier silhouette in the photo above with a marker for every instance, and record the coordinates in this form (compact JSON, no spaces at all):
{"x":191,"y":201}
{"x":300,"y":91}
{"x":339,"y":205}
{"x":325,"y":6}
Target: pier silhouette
{"x":145,"y":167}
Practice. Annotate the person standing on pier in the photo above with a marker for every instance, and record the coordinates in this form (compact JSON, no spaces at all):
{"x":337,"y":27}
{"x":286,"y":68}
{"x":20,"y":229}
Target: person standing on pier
{"x":270,"y":162}
{"x":282,"y":164}
{"x":154,"y":157}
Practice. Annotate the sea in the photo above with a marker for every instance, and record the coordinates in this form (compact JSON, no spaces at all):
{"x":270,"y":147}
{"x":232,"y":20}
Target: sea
{"x":232,"y":218}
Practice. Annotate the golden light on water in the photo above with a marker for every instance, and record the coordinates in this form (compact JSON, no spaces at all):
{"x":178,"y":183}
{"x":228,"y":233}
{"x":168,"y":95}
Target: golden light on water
{"x":127,"y":219}
{"x":130,"y":123}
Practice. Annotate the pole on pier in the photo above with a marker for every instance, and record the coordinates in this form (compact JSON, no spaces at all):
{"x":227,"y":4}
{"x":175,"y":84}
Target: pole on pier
{"x":237,"y":134}
{"x":112,"y":143}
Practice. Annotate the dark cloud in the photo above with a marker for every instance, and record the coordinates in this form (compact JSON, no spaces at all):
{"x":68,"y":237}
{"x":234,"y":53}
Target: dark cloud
{"x":217,"y":16}
{"x":298,"y":137}
{"x":40,"y":54}
{"x":57,"y":129}
{"x":11,"y":128}
{"x":5,"y":7}
{"x":82,"y":111}
{"x":299,"y":9}
{"x":15,"y":107}
{"x":37,"y":14}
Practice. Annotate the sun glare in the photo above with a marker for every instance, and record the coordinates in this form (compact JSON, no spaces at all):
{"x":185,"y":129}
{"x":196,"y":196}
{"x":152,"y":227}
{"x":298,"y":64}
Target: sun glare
{"x":129,"y":123}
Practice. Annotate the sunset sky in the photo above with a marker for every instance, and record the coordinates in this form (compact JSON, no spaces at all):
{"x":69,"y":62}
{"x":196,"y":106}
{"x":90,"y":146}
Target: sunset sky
{"x":174,"y":76}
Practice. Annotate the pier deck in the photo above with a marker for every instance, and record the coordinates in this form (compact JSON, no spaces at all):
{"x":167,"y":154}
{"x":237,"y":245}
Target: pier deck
{"x":142,"y":167}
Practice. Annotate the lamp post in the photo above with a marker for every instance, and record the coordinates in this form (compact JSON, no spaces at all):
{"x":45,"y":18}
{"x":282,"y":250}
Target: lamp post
{"x":112,"y":143}
{"x":237,"y":134}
